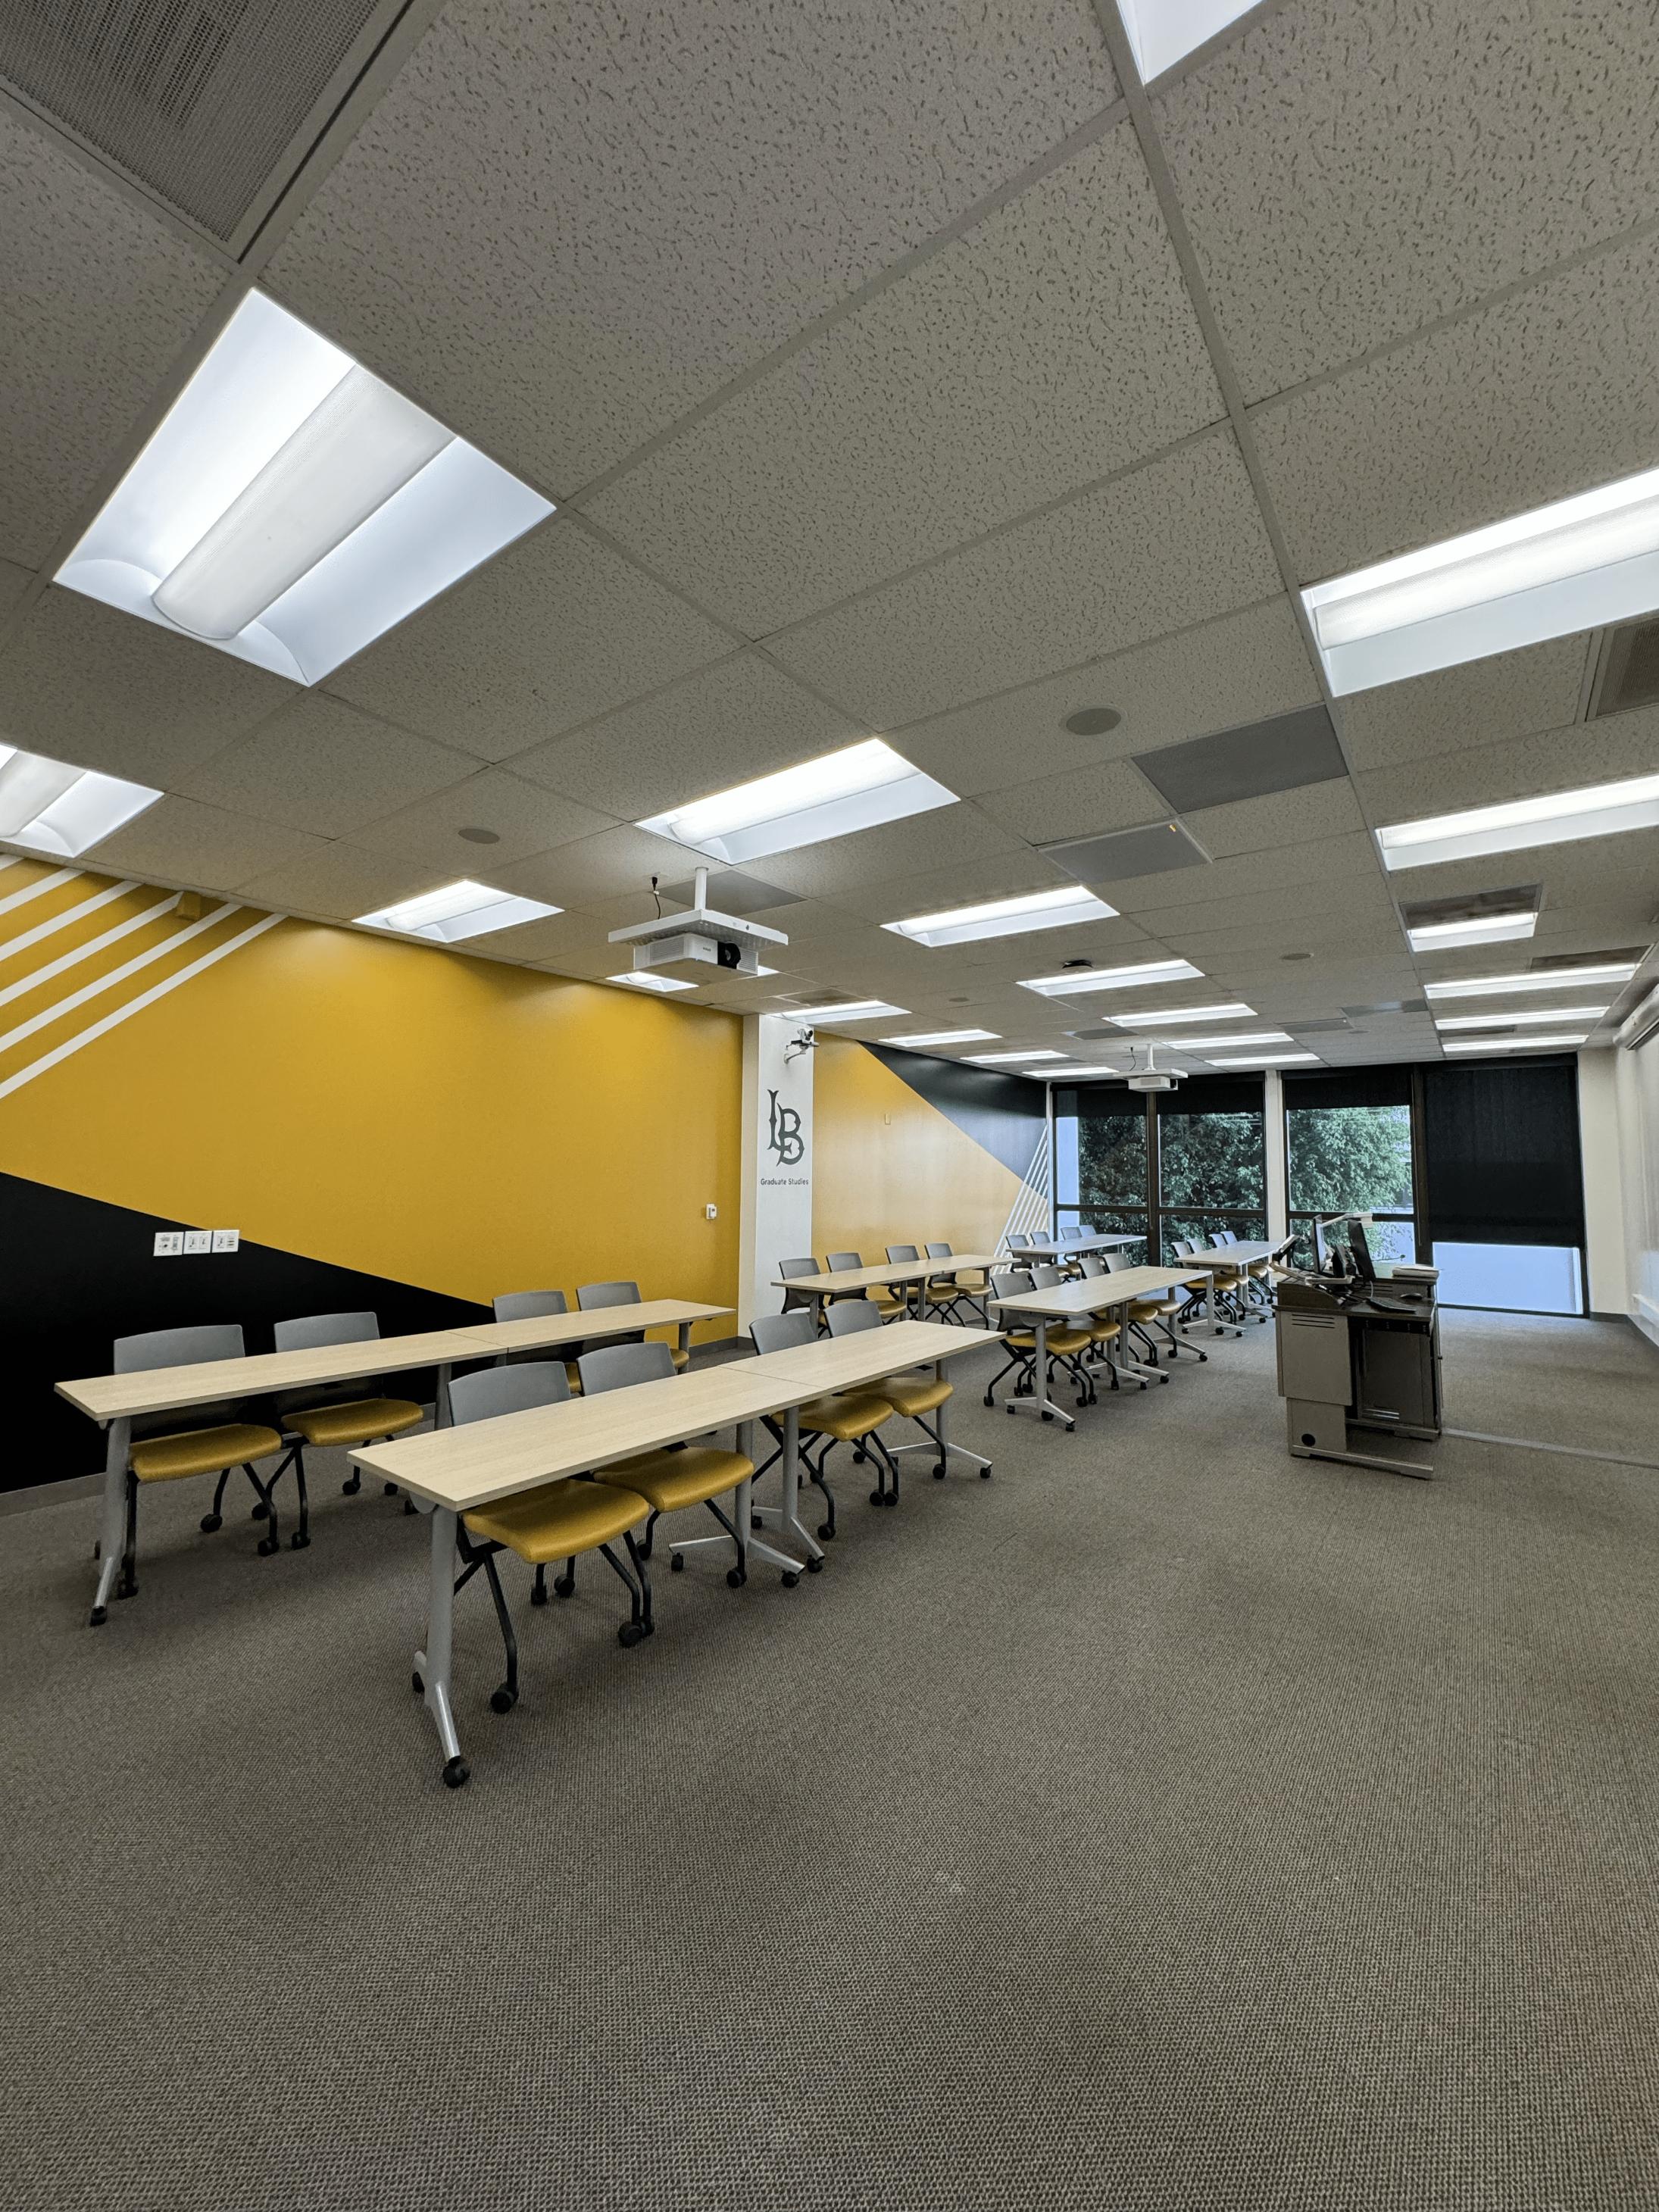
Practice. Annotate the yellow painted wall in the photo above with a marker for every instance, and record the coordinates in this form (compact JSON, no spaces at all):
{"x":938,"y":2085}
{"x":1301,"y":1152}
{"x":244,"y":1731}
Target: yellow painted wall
{"x":446,"y":1121}
{"x":890,"y":1169}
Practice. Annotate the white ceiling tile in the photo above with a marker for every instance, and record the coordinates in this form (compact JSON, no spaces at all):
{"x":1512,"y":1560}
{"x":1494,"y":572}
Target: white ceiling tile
{"x":1350,"y":862}
{"x":525,"y":818}
{"x":1506,"y":697}
{"x":1170,"y":545}
{"x":1081,"y":802}
{"x":320,"y":765}
{"x":1550,"y":760}
{"x":80,"y":682}
{"x":893,"y":853}
{"x":563,"y":228}
{"x":558,"y":629}
{"x":338,"y":882}
{"x":739,"y":719}
{"x":1540,"y":396}
{"x":1306,"y":153}
{"x":14,"y":582}
{"x":1284,"y":817}
{"x":557,"y":938}
{"x":1052,"y":345}
{"x":100,"y":298}
{"x":179,"y":840}
{"x":609,"y":865}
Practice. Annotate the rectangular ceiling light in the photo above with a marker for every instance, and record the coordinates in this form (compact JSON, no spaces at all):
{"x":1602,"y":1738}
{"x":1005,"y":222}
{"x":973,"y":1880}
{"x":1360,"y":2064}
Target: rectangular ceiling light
{"x":1572,"y":566}
{"x":856,"y":788}
{"x":1011,"y":1059}
{"x":1531,"y":1018}
{"x":1541,"y":978}
{"x":47,"y":806}
{"x":292,"y":508}
{"x":1009,"y":917}
{"x":1072,"y":982}
{"x":1513,"y":1044}
{"x":1233,"y":1009}
{"x":1561,"y":817}
{"x":855,"y":1009}
{"x":1476,"y":929}
{"x":649,"y":979}
{"x":927,"y":1037}
{"x":1271,"y":1060}
{"x":1162,"y":31}
{"x":1228,"y":1040}
{"x":457,"y":910}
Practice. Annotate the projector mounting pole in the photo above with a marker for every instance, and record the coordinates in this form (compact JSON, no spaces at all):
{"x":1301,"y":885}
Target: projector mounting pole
{"x":700,"y":889}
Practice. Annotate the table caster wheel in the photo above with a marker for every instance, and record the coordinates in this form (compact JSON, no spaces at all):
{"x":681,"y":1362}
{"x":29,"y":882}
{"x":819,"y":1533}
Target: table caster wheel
{"x":815,"y":1566}
{"x":455,"y":1773}
{"x":298,"y":1540}
{"x":210,"y":1522}
{"x":267,"y":1546}
{"x":417,"y":1685}
{"x":563,"y":1585}
{"x":676,"y":1562}
{"x":503,"y":1700}
{"x":790,"y":1581}
{"x":985,"y":1474}
{"x":735,"y":1578}
{"x":630,"y":1634}
{"x":97,"y":1617}
{"x":350,"y":1488}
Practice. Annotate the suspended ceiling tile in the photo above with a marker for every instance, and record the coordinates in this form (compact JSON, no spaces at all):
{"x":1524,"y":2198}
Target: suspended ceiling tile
{"x":1284,"y":817}
{"x":740,"y":719}
{"x":14,"y":582}
{"x":1348,"y":861}
{"x":1508,"y":696}
{"x":1052,"y":345}
{"x":557,"y":937}
{"x":321,"y":766}
{"x":1550,"y":760}
{"x":558,"y":629}
{"x":100,"y":298}
{"x":80,"y":681}
{"x":611,"y":864}
{"x":1307,"y":151}
{"x":338,"y":882}
{"x":893,"y":853}
{"x":524,"y":818}
{"x":1540,"y":396}
{"x":1170,"y":545}
{"x":1086,"y":801}
{"x":1006,"y":875}
{"x":180,"y":840}
{"x":563,"y":228}
{"x":1240,"y":668}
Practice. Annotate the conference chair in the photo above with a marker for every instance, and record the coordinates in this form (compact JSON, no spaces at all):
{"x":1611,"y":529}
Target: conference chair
{"x":533,"y":1306}
{"x":590,"y":1297}
{"x":913,"y":1396}
{"x":1104,"y":1329}
{"x":956,"y":1290}
{"x":1067,"y":1344}
{"x":843,"y":1417}
{"x":1144,"y":1315}
{"x":1020,"y":1240}
{"x":555,"y":1521}
{"x":158,"y":1452}
{"x":327,"y":1418}
{"x":799,"y":1301}
{"x":880,"y":1297}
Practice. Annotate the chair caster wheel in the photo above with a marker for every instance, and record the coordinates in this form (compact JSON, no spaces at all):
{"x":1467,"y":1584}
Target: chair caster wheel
{"x":815,"y":1566}
{"x":210,"y":1522}
{"x":267,"y":1546}
{"x":455,"y":1773}
{"x":989,"y":1398}
{"x":1047,"y":1415}
{"x":939,"y":1474}
{"x":298,"y":1540}
{"x":676,"y":1562}
{"x":630,"y":1634}
{"x":258,"y":1512}
{"x":1009,"y":1408}
{"x":876,"y":1498}
{"x":351,"y":1489}
{"x":826,"y":1532}
{"x":985,"y":1474}
{"x":789,"y":1581}
{"x":859,"y":1457}
{"x":538,"y":1593}
{"x":735,"y":1578}
{"x":97,"y":1617}
{"x":417,"y":1685}
{"x":503,"y":1700}
{"x":563,"y":1585}
{"x":890,"y":1500}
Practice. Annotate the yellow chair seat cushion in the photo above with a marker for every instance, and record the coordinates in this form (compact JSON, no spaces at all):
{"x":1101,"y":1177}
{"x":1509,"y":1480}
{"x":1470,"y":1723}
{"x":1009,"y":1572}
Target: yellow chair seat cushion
{"x":885,"y":1300}
{"x":1102,"y":1331}
{"x":913,"y":1395}
{"x":358,"y":1421}
{"x":681,"y":1360}
{"x":1063,"y":1342}
{"x":559,"y":1519}
{"x":201,"y":1452}
{"x":1021,"y":1339}
{"x":847,"y":1417}
{"x":669,"y":1479}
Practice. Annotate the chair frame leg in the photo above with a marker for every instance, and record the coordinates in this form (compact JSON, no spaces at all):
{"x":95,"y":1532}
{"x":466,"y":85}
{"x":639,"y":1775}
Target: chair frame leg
{"x":127,"y":1585}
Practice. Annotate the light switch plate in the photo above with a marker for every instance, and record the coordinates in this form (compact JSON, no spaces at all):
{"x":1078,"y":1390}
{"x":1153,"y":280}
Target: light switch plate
{"x":169,"y":1243}
{"x":227,"y":1240}
{"x":712,"y":1213}
{"x":198,"y":1240}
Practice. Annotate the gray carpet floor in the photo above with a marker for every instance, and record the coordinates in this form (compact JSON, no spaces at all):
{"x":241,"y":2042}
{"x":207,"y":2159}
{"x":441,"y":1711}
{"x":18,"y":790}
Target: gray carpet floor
{"x":1165,"y":1823}
{"x":1590,"y":1385}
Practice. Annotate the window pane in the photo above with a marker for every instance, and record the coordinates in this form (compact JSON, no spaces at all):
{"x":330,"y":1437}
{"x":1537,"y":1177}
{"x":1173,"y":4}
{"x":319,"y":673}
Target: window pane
{"x":1350,"y":1159}
{"x":1212,"y":1162}
{"x":1394,"y":1239}
{"x":1111,"y":1151}
{"x":1514,"y":1278}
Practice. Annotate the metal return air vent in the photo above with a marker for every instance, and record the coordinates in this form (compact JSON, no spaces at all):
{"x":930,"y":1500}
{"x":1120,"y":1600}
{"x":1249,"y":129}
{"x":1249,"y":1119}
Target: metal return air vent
{"x":199,"y":100}
{"x":1627,"y":674}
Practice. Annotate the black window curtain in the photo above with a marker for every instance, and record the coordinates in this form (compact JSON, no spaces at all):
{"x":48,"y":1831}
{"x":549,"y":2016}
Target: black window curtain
{"x":1501,"y":1149}
{"x":1358,"y":1086}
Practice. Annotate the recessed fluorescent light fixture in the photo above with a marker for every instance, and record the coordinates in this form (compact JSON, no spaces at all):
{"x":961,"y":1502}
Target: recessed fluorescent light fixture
{"x":1008,"y":917}
{"x":1271,"y":1060}
{"x":926,"y":1037}
{"x":1569,"y":566}
{"x":1561,"y":817}
{"x":1072,"y":982}
{"x":1011,"y":1059}
{"x":458,"y":910}
{"x":1541,"y":979}
{"x":1512,"y":1044}
{"x":1232,"y":1010}
{"x":855,"y":1009}
{"x":648,"y":979}
{"x":1065,"y":1074}
{"x":1229,"y":1040}
{"x":1162,"y":31}
{"x":856,"y":788}
{"x":1532,"y":1018}
{"x":1477,"y":929}
{"x":47,"y":806}
{"x":292,"y":508}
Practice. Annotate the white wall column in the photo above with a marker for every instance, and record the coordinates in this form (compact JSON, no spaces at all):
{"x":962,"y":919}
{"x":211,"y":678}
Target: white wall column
{"x":777,"y":1158}
{"x":1605,"y":1257}
{"x":1273,"y":1110}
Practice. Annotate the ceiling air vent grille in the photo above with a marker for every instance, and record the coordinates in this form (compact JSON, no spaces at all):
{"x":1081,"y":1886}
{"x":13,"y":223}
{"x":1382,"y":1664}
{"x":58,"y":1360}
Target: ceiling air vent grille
{"x":1629,"y":672}
{"x":199,"y":100}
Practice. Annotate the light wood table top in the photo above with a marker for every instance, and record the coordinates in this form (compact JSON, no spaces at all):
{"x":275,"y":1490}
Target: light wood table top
{"x":479,"y":1462}
{"x":837,"y":1363}
{"x":1228,"y":1255}
{"x":1100,"y":1293}
{"x":890,"y":1271}
{"x":162,"y":1389}
{"x":1058,"y":1248}
{"x":543,"y":1331}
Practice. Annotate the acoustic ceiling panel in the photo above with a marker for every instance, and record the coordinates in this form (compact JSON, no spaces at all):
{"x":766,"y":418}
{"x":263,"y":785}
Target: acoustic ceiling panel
{"x":1281,"y":754}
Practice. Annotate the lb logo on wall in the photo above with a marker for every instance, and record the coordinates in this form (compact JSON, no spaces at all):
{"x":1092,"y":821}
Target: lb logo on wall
{"x":784,"y":1138}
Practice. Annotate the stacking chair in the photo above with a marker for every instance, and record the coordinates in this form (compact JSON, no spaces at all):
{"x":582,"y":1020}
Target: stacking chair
{"x":799,"y":1301}
{"x":1103,"y":1330}
{"x":1156,"y":1312}
{"x":842,"y":1263}
{"x":590,"y":1296}
{"x":158,"y":1452}
{"x":557,"y":1521}
{"x":1020,"y":1240}
{"x":681,"y":1475}
{"x":533,"y":1306}
{"x":845,"y":1417}
{"x":325,"y":1418}
{"x":957,"y":1291}
{"x":1049,"y":1276}
{"x":1066,"y":1345}
{"x":913,"y":1396}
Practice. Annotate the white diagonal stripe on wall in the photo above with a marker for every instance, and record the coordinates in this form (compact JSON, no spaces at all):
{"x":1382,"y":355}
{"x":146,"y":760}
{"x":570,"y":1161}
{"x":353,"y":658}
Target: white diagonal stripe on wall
{"x":22,"y":942}
{"x":136,"y":1006}
{"x":56,"y":1011}
{"x":42,"y":884}
{"x":93,"y":946}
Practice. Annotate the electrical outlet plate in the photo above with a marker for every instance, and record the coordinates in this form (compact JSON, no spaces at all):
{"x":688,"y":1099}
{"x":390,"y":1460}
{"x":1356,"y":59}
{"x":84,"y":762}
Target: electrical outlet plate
{"x":227,"y":1240}
{"x":712,"y":1213}
{"x":198,"y":1240}
{"x":169,"y":1243}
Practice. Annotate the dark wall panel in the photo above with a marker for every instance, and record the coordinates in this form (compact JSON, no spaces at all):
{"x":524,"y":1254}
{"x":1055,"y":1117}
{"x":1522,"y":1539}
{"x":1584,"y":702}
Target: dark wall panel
{"x":1004,"y":1113}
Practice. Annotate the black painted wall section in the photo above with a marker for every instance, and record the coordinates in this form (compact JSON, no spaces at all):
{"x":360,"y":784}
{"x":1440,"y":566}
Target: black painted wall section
{"x":75,"y":1273}
{"x":1004,"y":1113}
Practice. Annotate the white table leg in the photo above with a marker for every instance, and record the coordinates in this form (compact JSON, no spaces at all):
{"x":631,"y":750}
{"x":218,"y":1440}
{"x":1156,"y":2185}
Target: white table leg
{"x":113,"y":1520}
{"x":1041,"y":1403}
{"x":434,"y":1668}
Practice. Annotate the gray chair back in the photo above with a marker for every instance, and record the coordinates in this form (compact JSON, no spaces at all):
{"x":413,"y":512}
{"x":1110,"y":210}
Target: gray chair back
{"x":616,"y":1366}
{"x":592,"y":1295}
{"x":529,"y":1305}
{"x":1116,"y":1262}
{"x":851,"y":1314}
{"x":786,"y":1331}
{"x":939,"y":1252}
{"x":1011,"y":1283}
{"x":489,"y":1391}
{"x":840,"y":1262}
{"x":1019,"y":1239}
{"x":312,"y":1330}
{"x":1044,"y":1279}
{"x":898,"y":1254}
{"x":798,"y":1301}
{"x":180,"y":1347}
{"x":1091,"y":1263}
{"x":1228,"y":1236}
{"x":1183,"y":1248}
